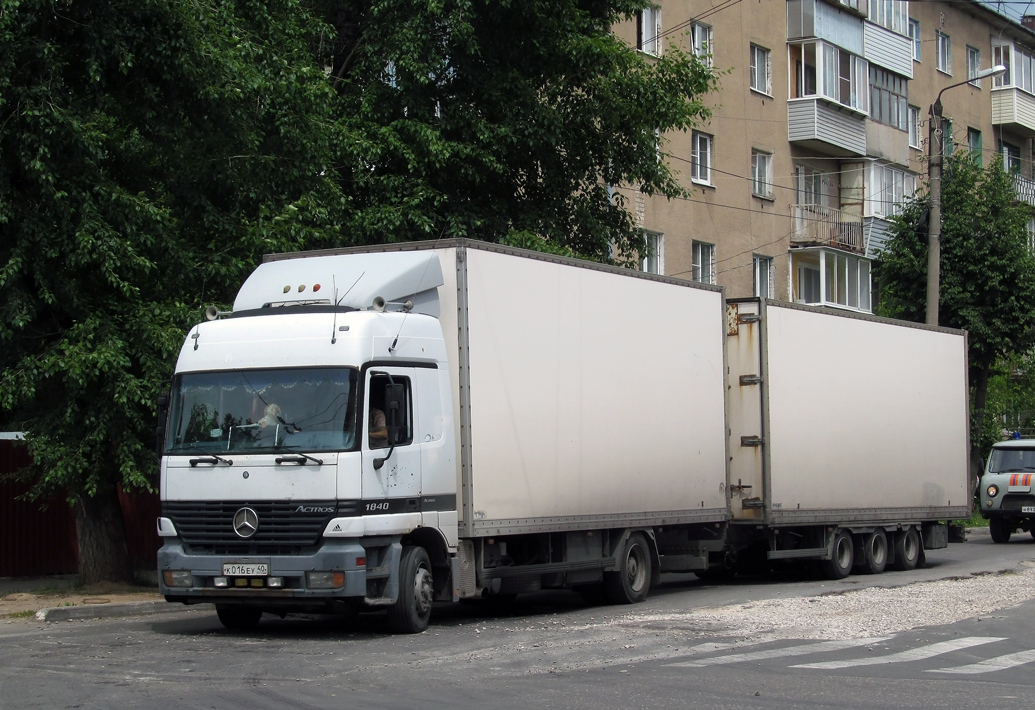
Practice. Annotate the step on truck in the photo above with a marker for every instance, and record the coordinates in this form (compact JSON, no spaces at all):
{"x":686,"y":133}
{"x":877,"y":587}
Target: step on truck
{"x":386,"y":428}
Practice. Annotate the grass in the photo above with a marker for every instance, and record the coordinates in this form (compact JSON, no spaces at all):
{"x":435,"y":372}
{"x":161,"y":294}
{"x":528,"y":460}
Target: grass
{"x":974,"y":521}
{"x":18,"y":615}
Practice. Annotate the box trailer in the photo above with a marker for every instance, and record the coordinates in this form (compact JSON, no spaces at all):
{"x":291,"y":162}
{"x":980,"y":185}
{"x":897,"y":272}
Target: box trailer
{"x":389,"y":427}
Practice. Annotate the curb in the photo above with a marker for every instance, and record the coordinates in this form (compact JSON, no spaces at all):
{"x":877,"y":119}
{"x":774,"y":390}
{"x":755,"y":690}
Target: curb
{"x":101,"y":611}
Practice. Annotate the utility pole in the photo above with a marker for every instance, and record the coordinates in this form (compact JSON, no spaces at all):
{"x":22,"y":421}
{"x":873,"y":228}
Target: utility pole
{"x":934,"y":176}
{"x":934,"y":221}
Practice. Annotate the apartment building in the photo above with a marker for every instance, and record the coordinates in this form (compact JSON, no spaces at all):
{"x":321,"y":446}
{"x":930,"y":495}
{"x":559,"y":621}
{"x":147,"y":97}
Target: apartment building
{"x":820,"y":130}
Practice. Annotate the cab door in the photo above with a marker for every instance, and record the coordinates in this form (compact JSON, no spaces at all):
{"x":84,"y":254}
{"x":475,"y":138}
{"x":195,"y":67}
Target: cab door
{"x":390,"y":451}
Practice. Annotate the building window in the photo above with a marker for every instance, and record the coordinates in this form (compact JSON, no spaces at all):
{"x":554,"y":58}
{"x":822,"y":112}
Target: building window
{"x":704,"y":262}
{"x":973,"y":65}
{"x":701,"y":42}
{"x":887,"y":189}
{"x":761,"y":73}
{"x":1011,"y":157}
{"x":914,"y":127}
{"x":1020,"y":67}
{"x":808,"y":186}
{"x":701,"y":159}
{"x":648,"y":31}
{"x":892,"y":14}
{"x":948,"y":145}
{"x":888,"y":98}
{"x":653,"y":261}
{"x":821,"y":69}
{"x":764,"y":276}
{"x":944,"y":62}
{"x":974,"y":145}
{"x":1001,"y":57}
{"x":833,"y":278}
{"x":914,"y":36}
{"x":761,"y":173}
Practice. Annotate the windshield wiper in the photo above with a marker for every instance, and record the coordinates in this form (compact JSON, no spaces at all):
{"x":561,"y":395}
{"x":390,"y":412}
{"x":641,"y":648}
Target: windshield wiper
{"x":210,"y":458}
{"x":298,"y":458}
{"x":1015,"y":469}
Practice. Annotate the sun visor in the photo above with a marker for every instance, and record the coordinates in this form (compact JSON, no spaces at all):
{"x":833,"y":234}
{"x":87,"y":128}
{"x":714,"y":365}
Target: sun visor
{"x":348,"y":280}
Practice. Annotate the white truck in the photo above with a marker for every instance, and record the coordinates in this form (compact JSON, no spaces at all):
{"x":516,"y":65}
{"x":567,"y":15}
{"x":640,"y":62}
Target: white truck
{"x":389,"y":427}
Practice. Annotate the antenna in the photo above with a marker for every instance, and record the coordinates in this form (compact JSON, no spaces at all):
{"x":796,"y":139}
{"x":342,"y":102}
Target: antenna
{"x":334,"y":321}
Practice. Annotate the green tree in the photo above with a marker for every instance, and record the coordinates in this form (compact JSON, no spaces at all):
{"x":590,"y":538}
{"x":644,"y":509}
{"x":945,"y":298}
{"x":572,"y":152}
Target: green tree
{"x":150,"y":152}
{"x":987,"y":284}
{"x":486,"y":118}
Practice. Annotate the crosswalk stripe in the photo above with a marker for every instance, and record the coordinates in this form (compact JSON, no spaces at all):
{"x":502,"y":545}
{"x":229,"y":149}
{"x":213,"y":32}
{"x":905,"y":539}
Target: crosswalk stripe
{"x":802,"y":650}
{"x":992,"y":664}
{"x":916,"y":654}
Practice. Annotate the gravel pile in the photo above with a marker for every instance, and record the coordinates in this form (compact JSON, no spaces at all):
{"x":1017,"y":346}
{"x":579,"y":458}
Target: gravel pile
{"x":864,"y":612}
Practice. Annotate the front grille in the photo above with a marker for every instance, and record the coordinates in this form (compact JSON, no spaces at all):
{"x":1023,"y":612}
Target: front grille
{"x":1014,"y":501}
{"x":207,"y":527}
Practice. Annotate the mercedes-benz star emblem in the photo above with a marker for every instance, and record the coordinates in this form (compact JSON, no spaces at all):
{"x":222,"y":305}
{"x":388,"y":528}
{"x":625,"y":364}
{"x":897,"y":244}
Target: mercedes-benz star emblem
{"x":246,"y":522}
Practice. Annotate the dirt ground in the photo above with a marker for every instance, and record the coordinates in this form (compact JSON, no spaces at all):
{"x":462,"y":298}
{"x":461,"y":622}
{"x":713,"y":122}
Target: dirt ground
{"x":21,"y":604}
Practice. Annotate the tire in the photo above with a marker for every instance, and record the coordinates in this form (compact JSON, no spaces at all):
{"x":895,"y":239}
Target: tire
{"x":238,"y":618}
{"x":875,"y":552}
{"x":632,"y":582}
{"x":1000,"y":529}
{"x":1032,"y":531}
{"x":840,"y":563}
{"x":907,"y":549}
{"x":412,"y":610}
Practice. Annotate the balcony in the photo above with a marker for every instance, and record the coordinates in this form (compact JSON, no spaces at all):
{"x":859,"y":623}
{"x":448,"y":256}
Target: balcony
{"x":815,"y":225}
{"x":1025,"y":189}
{"x":1015,"y":109}
{"x":827,"y":127}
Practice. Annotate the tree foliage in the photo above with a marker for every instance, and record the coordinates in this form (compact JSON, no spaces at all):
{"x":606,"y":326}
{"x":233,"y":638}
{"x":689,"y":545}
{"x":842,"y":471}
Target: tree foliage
{"x":146,"y":148}
{"x":987,"y":284}
{"x":479,"y":118}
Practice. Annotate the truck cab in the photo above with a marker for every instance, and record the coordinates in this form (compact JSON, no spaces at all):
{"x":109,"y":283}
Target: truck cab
{"x":1005,"y":491}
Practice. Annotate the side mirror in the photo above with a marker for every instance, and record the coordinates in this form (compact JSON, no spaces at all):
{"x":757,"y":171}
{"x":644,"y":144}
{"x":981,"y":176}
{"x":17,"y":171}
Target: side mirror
{"x":163,"y":415}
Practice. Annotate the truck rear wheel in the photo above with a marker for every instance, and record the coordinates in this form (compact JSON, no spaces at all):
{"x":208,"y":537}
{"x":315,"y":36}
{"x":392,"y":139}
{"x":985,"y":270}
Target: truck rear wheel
{"x":839,"y":565}
{"x":238,"y":618}
{"x":875,"y":552}
{"x":907,"y":549}
{"x":412,"y":610}
{"x":632,"y":582}
{"x":1000,"y":529}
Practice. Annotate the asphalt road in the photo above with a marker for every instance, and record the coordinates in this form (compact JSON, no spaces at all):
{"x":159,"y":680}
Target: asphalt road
{"x":549,"y":650}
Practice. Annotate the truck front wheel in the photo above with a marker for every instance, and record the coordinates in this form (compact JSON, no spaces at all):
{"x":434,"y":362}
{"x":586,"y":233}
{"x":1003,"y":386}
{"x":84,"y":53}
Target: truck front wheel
{"x":1000,"y":529}
{"x":412,"y":610}
{"x":238,"y":618}
{"x":630,"y":584}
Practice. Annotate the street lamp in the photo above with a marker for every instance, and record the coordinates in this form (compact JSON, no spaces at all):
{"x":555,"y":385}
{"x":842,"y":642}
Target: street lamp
{"x":934,"y":173}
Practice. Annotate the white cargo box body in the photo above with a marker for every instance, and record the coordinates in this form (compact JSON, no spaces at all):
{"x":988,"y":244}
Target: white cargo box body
{"x":865,"y":419}
{"x":585,"y":396}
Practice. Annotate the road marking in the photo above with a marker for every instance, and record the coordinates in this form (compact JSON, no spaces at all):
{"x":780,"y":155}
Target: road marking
{"x":802,"y":650}
{"x":916,"y":654}
{"x":992,"y":664}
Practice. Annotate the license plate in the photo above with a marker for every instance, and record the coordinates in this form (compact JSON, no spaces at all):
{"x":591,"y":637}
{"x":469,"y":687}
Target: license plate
{"x":236,"y":569}
{"x":1028,"y":508}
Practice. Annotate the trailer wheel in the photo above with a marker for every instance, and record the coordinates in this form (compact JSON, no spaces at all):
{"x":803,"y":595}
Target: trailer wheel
{"x":1000,"y":529}
{"x":238,"y":618}
{"x":839,"y":565}
{"x":412,"y":610}
{"x":907,"y":549}
{"x":875,"y":552}
{"x":632,"y":582}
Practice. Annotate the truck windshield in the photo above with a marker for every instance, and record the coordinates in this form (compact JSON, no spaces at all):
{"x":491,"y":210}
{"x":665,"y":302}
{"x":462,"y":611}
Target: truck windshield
{"x":310,"y":409}
{"x":1002,"y":460}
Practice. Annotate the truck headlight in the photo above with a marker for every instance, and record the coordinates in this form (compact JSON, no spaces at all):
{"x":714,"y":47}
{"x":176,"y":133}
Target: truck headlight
{"x":325,"y":580}
{"x":992,"y":490}
{"x":178,"y":578}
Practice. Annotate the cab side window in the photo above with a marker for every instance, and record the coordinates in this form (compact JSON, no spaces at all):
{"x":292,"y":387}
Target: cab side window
{"x":390,"y":411}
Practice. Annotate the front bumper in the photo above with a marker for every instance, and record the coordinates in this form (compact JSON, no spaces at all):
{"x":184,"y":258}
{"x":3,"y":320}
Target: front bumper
{"x":367,"y":575}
